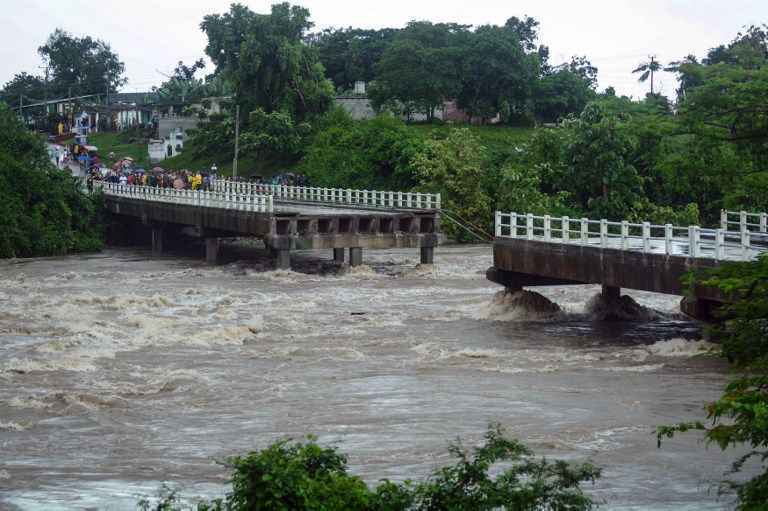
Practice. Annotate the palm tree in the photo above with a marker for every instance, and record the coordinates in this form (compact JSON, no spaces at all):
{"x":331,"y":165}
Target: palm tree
{"x":683,"y":68}
{"x":648,"y":69}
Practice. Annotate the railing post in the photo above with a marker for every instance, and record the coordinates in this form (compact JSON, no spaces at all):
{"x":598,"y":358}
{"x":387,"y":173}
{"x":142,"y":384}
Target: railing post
{"x":437,"y":201}
{"x":584,"y":231}
{"x":547,"y":228}
{"x":603,"y":232}
{"x":693,"y":241}
{"x":668,"y":233}
{"x":724,"y":219}
{"x":529,"y":226}
{"x":719,"y":244}
{"x":497,"y":224}
{"x":565,"y":229}
{"x":763,"y":222}
{"x":743,"y":221}
{"x":745,"y":245}
{"x":513,"y":225}
{"x":646,"y":237}
{"x":625,"y":235}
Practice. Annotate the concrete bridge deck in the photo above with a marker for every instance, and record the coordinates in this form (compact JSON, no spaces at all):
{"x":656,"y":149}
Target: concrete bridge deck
{"x":283,"y":225}
{"x":539,"y":250}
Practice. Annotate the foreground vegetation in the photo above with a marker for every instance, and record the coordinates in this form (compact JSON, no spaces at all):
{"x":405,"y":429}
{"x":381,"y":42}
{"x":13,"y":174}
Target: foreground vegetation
{"x":43,"y":209}
{"x":295,"y":476}
{"x":740,"y":416}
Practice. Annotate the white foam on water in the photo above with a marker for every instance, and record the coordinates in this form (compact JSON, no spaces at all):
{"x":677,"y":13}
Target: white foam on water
{"x":15,"y":426}
{"x":631,"y":369}
{"x":26,"y":365}
{"x":4,"y":475}
{"x":29,"y":402}
{"x":519,"y":306}
{"x":682,"y":348}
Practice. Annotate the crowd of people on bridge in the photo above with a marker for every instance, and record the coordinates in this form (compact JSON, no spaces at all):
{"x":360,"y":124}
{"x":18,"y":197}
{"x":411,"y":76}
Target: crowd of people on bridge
{"x":124,"y":172}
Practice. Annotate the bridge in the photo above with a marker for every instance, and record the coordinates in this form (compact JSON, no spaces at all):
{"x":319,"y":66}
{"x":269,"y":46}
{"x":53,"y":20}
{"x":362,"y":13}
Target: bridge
{"x":532,"y":250}
{"x":285,"y":217}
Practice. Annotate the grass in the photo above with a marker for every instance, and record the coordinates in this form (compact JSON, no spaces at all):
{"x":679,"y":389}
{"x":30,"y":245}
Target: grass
{"x":116,"y":143}
{"x":498,"y":139}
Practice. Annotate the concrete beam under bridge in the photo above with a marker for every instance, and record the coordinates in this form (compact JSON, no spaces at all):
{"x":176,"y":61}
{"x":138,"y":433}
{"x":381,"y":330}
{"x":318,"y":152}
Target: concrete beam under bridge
{"x":522,"y":263}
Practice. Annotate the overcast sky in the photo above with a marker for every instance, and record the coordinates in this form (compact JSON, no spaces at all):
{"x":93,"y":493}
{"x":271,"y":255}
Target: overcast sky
{"x":152,"y":35}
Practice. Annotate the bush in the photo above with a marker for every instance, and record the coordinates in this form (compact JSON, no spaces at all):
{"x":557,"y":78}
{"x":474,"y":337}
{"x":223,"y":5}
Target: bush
{"x":305,"y":476}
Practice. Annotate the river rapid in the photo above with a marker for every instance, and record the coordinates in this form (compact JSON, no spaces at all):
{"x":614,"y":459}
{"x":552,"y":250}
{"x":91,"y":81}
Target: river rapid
{"x":119,"y":372}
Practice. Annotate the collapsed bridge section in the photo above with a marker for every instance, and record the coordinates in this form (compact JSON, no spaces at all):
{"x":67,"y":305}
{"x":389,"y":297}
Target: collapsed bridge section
{"x":283,"y":225}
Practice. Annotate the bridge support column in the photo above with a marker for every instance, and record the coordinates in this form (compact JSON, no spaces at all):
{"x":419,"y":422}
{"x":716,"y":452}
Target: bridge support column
{"x":355,"y":256}
{"x":427,"y":255}
{"x":611,"y":293}
{"x":212,"y":250}
{"x":282,"y":258}
{"x":338,"y":255}
{"x":701,"y":309}
{"x":157,"y":241}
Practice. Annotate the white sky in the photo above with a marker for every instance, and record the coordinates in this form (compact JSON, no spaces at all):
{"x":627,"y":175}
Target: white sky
{"x":152,"y":35}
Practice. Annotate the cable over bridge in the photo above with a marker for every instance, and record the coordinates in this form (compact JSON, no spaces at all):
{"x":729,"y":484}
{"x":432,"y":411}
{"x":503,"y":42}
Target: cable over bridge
{"x":532,"y":250}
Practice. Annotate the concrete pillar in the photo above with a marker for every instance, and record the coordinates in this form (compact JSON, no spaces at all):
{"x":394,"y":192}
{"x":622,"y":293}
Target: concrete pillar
{"x":611,"y":293}
{"x":157,"y":240}
{"x":282,"y":259}
{"x":212,"y":250}
{"x":427,"y":255}
{"x":355,"y":256}
{"x":338,"y":255}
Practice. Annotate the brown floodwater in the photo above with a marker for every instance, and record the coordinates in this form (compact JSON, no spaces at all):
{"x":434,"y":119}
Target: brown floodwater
{"x":119,"y":372}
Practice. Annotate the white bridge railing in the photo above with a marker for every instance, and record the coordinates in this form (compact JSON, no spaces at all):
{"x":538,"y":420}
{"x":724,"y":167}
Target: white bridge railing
{"x":345,"y":196}
{"x":743,"y":221}
{"x":211,"y":199}
{"x":691,"y":241}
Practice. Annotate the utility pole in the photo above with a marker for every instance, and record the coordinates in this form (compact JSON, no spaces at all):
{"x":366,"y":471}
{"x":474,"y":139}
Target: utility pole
{"x":109,"y":110}
{"x":45,"y":98}
{"x":653,"y":61}
{"x":237,"y":140}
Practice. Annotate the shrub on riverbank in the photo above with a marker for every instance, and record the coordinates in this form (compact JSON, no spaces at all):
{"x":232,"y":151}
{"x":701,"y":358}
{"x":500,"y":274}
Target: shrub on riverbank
{"x":43,"y":210}
{"x":305,"y":476}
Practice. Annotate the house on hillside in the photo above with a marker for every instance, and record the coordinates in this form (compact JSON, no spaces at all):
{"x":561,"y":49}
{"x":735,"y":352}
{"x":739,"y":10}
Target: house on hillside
{"x":359,"y":107}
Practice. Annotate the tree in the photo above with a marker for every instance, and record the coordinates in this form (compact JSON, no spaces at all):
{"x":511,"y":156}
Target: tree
{"x":419,"y":71}
{"x":565,"y":89}
{"x":455,"y":167}
{"x":748,"y":50}
{"x":44,"y":210}
{"x":687,"y":76}
{"x":33,"y":88}
{"x":413,"y":78}
{"x":351,"y":54}
{"x":81,"y":65}
{"x":729,"y":106}
{"x":182,"y":86}
{"x":603,"y":179}
{"x":498,"y":72}
{"x":648,"y":69}
{"x":267,"y":61}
